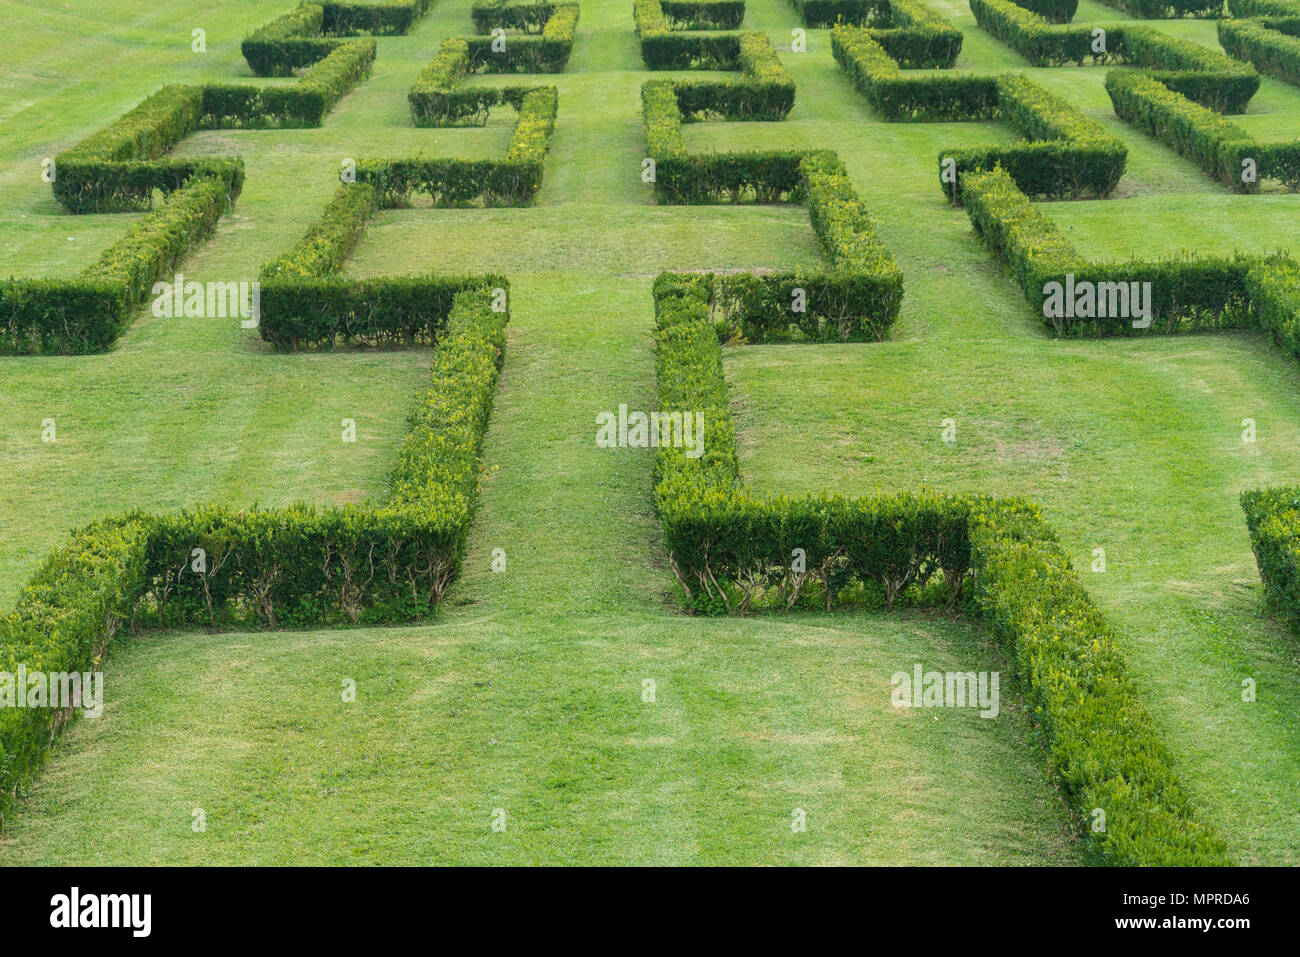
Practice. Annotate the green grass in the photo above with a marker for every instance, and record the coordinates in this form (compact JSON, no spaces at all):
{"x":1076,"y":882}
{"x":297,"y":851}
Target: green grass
{"x":526,"y":693}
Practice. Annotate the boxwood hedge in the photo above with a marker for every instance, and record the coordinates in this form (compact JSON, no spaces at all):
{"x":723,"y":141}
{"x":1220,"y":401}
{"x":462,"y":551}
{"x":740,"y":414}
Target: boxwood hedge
{"x":730,"y":551}
{"x":298,"y":566}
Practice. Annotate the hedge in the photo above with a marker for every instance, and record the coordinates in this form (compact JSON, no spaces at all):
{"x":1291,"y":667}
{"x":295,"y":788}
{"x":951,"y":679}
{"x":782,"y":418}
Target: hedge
{"x":312,"y":31}
{"x":119,"y":167}
{"x":1210,"y":78}
{"x":437,"y":100}
{"x":330,"y":240}
{"x":87,"y":314}
{"x":512,"y":181}
{"x":1068,"y":155}
{"x":547,"y":53}
{"x":1167,"y":9}
{"x":666,"y":48}
{"x":1186,"y":294}
{"x":1218,"y":146}
{"x":704,"y":14}
{"x":530,"y":16}
{"x":682,"y":177}
{"x":731,"y":551}
{"x":1271,"y":45}
{"x":1273,"y":521}
{"x":827,"y":13}
{"x":898,"y":96}
{"x":374,"y":563}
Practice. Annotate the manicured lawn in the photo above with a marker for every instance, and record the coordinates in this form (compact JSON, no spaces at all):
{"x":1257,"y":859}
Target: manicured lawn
{"x":526,"y":693}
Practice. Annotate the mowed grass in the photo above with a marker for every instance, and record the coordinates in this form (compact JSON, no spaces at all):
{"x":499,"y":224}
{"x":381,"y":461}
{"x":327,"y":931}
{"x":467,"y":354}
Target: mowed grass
{"x":527,"y":694}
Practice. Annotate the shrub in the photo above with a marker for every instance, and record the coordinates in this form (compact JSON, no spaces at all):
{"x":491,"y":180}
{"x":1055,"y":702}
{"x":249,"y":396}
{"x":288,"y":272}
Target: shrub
{"x":1186,"y":294}
{"x":547,"y":53}
{"x":87,"y":314}
{"x":1264,"y":44}
{"x":511,"y":181}
{"x":1273,"y":521}
{"x":827,"y":13}
{"x":328,"y":241}
{"x":730,"y":550}
{"x":1167,"y":9}
{"x":704,"y":14}
{"x":1218,"y":146}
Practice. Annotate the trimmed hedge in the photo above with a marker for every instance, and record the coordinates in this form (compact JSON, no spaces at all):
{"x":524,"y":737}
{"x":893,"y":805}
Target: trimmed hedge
{"x":437,"y":100}
{"x":730,"y":551}
{"x":1102,"y":745}
{"x":118,"y":168}
{"x":1273,"y":521}
{"x":827,"y":13}
{"x":87,"y":314}
{"x":375,"y":563}
{"x":530,"y":16}
{"x":704,"y":14}
{"x":547,"y":53}
{"x":1210,"y":78}
{"x":1186,"y":294}
{"x":1271,"y":45}
{"x":666,"y":48}
{"x":1167,"y":9}
{"x":312,"y":31}
{"x":898,"y":96}
{"x":1191,"y":130}
{"x":1068,"y":155}
{"x":330,"y":240}
{"x":512,"y":181}
{"x":682,"y":177}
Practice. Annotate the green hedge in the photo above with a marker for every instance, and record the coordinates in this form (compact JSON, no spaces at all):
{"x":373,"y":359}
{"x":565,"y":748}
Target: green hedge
{"x":698,"y":178}
{"x":1270,"y":45}
{"x":1273,"y":521}
{"x":1210,"y":78}
{"x":530,"y":16}
{"x":312,"y":31}
{"x":730,"y":551}
{"x":547,"y":53}
{"x":1218,"y":146}
{"x":827,"y":13}
{"x":303,"y":105}
{"x":1167,"y":9}
{"x":704,"y":14}
{"x":665,"y":48}
{"x":1101,"y":744}
{"x":87,"y":314}
{"x":899,"y":96}
{"x":1068,"y":155}
{"x":301,"y":566}
{"x":512,"y":181}
{"x":1186,"y":294}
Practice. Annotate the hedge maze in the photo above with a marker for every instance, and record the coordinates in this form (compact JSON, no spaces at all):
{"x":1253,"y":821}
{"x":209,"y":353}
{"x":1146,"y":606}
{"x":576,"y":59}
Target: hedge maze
{"x":727,"y":549}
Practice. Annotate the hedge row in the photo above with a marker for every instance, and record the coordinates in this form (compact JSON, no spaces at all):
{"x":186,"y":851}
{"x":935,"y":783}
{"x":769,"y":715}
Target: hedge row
{"x":547,"y":53}
{"x":437,"y":100}
{"x":1273,"y":521}
{"x":856,"y":299}
{"x":1068,"y":154}
{"x":329,"y":241}
{"x":1167,"y":9}
{"x":916,"y":37}
{"x":683,"y":177}
{"x":895,"y":95}
{"x":731,"y":551}
{"x":1222,"y":149}
{"x":373,"y":563}
{"x":827,"y":13}
{"x":665,"y":48}
{"x":119,"y":167}
{"x":311,"y":31}
{"x":1102,"y":746}
{"x":704,"y":14}
{"x":1186,"y":294}
{"x":528,"y":17}
{"x":304,"y":104}
{"x":87,"y":314}
{"x":1271,"y":45}
{"x":512,"y":181}
{"x":1210,"y":78}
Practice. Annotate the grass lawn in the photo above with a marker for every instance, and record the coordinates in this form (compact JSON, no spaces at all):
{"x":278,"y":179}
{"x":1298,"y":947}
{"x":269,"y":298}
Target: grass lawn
{"x":526,"y":694}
